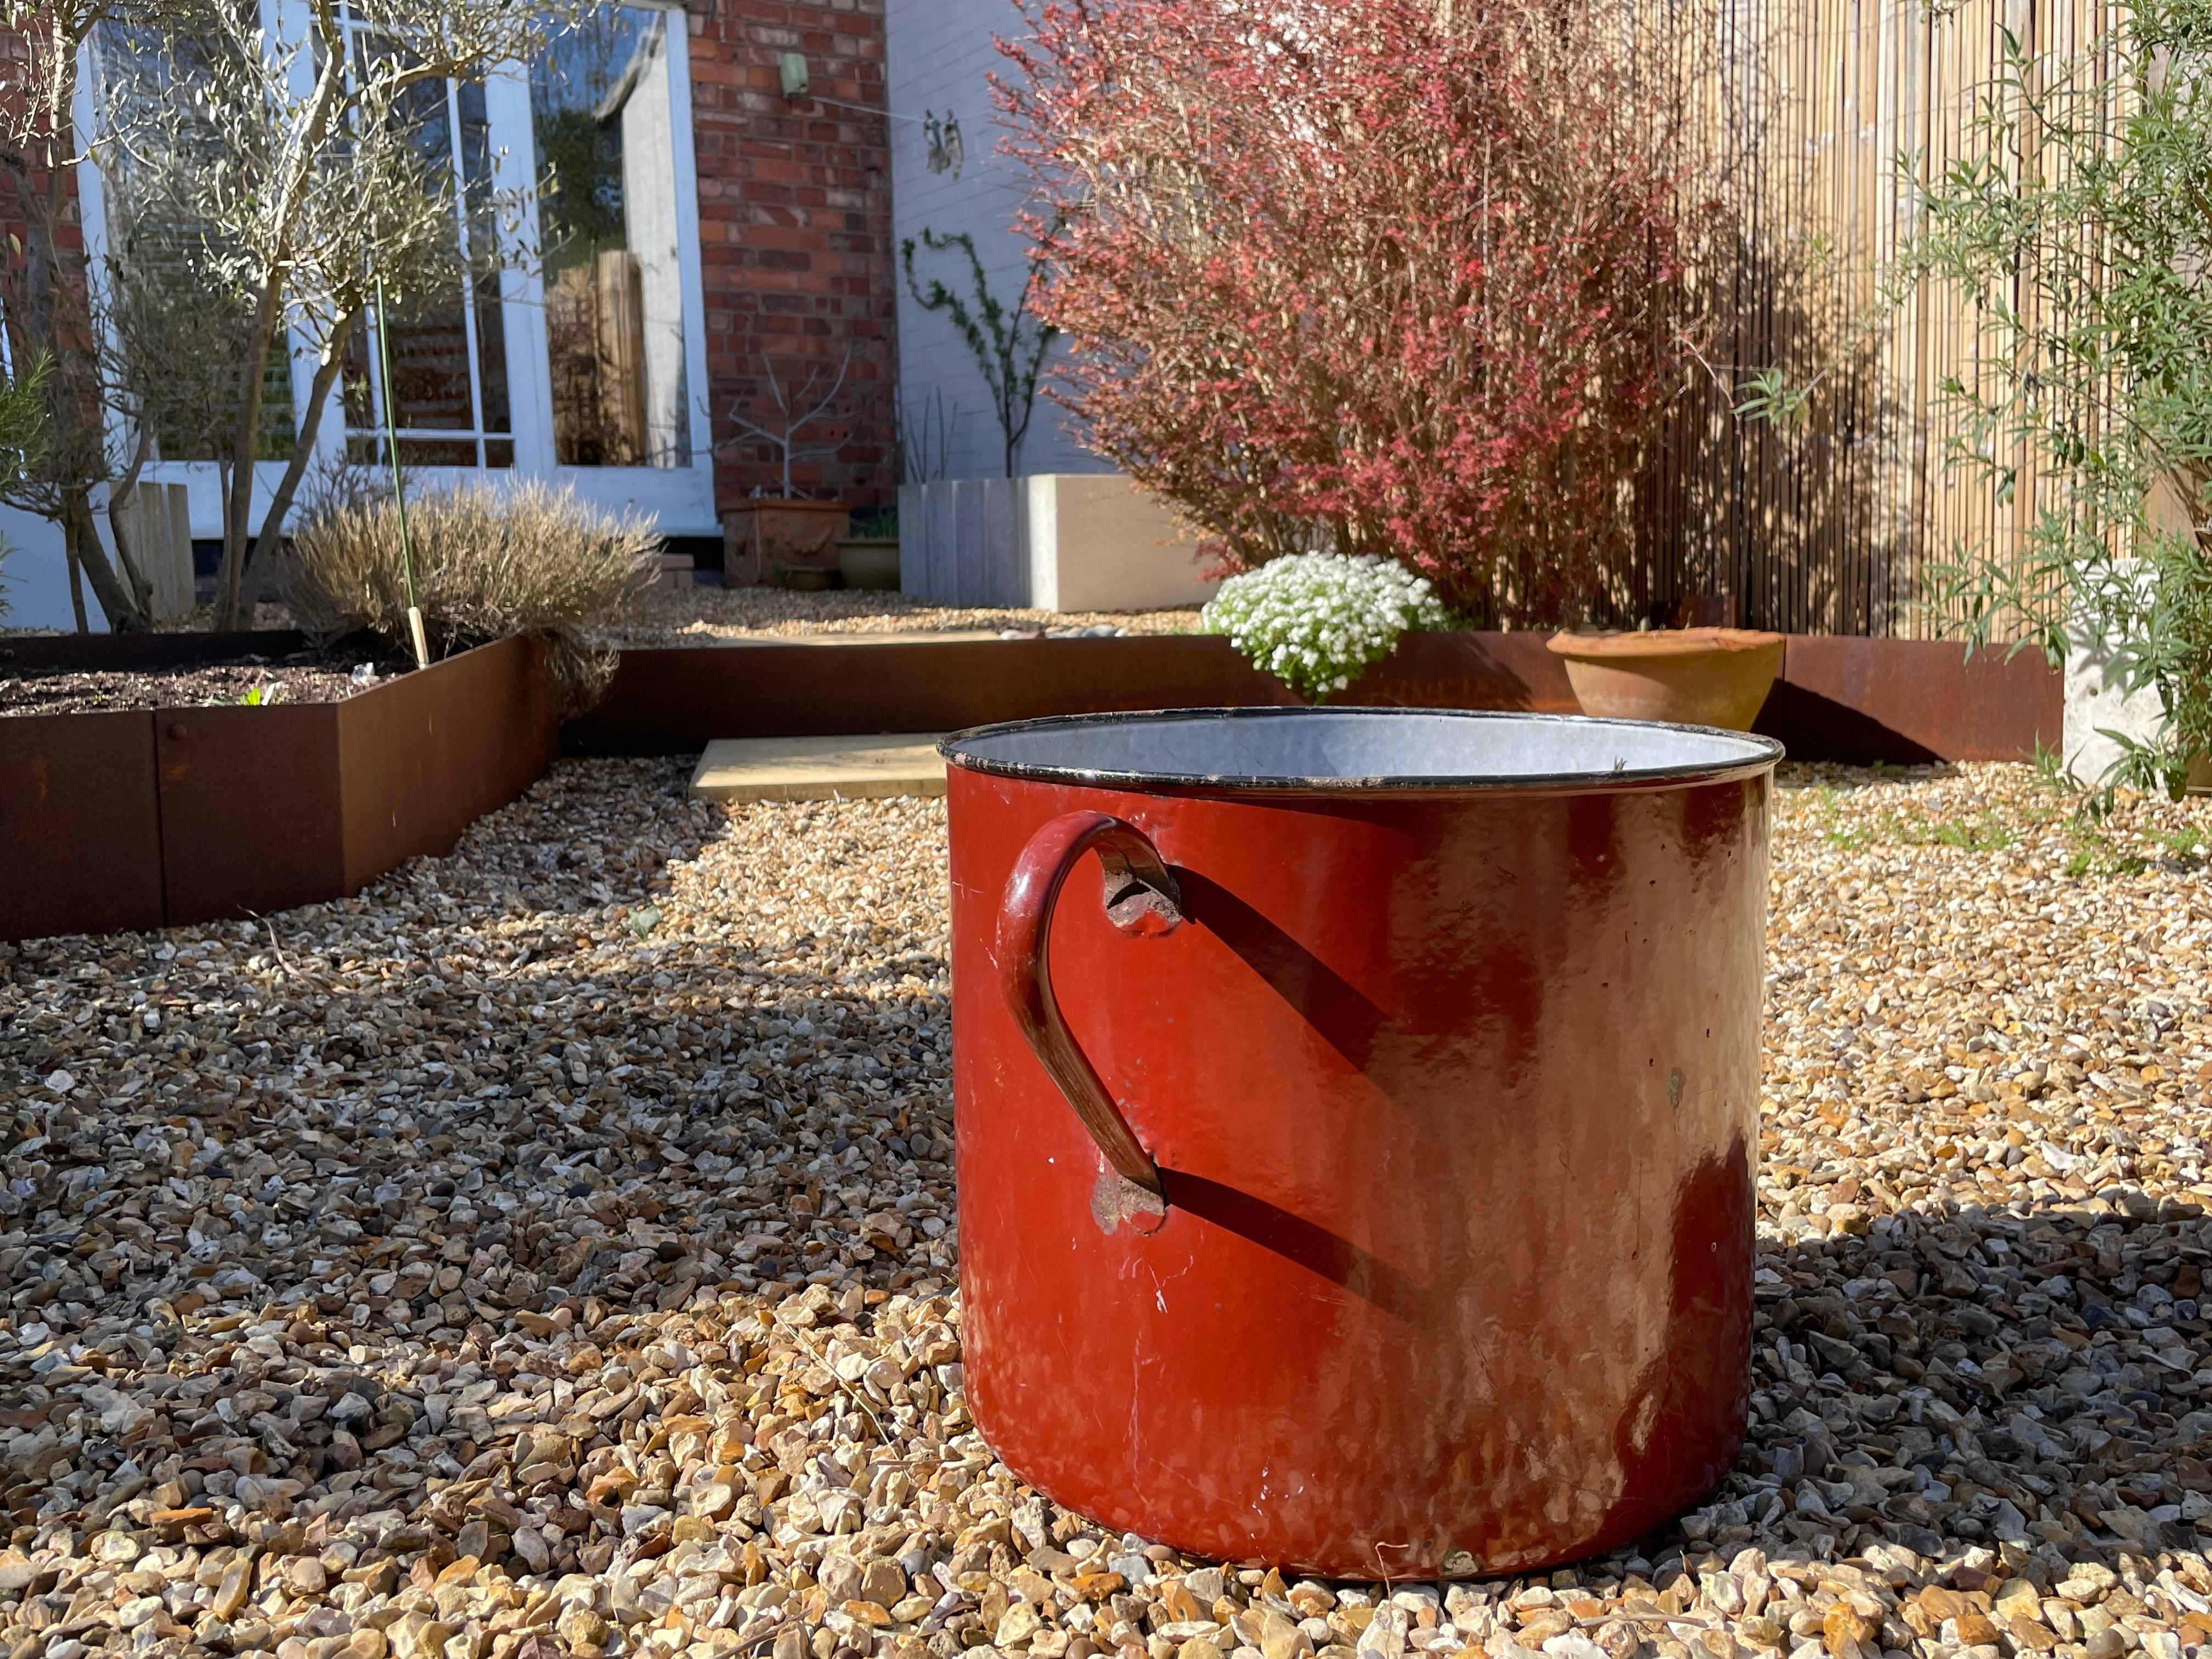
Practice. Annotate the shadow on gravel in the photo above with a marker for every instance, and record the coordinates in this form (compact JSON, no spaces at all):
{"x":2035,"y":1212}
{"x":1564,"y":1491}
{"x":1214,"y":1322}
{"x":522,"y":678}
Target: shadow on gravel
{"x":2004,"y":1393}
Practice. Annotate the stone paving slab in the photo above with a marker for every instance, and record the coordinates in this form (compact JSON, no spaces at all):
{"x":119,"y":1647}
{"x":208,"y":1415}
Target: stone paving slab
{"x":848,"y":767}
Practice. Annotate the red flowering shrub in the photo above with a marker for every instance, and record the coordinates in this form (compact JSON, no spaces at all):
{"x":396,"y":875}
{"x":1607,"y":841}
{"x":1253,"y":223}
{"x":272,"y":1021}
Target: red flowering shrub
{"x":1393,"y":277}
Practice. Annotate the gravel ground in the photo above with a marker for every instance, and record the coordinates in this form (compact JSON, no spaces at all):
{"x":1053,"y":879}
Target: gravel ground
{"x":548,"y":1253}
{"x":701,"y":616}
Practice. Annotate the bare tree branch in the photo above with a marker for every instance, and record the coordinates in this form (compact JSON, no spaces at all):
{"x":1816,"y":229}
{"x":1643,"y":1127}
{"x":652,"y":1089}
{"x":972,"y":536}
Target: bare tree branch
{"x":783,"y":437}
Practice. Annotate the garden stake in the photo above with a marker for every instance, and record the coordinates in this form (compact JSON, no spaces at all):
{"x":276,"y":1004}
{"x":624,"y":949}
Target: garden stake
{"x":399,"y":483}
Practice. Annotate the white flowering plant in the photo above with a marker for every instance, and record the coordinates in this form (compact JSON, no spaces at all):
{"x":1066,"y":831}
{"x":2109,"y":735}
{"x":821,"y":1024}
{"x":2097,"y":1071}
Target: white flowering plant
{"x":1315,"y":620}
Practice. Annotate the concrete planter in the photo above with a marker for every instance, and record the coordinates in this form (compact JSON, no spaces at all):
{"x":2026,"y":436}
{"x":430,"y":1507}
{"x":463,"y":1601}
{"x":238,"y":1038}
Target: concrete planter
{"x":2098,"y":701}
{"x":1058,"y":541}
{"x":147,"y":818}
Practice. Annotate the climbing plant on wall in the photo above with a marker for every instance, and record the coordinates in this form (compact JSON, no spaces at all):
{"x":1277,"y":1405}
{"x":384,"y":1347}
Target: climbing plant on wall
{"x":1008,"y":346}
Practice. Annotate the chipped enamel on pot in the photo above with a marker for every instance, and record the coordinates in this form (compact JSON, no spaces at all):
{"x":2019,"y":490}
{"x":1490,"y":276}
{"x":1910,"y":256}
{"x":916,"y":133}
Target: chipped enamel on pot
{"x":1356,"y":1111}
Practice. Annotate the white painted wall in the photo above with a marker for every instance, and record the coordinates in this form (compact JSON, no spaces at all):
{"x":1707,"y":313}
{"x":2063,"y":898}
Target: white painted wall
{"x":939,"y":55}
{"x":34,"y":577}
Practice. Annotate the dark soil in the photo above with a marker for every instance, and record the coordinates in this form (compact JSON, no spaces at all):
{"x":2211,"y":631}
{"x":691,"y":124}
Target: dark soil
{"x":311,"y":679}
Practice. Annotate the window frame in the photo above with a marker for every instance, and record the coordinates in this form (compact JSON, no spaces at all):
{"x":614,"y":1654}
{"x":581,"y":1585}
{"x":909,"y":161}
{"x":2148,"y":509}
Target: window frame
{"x":680,"y":500}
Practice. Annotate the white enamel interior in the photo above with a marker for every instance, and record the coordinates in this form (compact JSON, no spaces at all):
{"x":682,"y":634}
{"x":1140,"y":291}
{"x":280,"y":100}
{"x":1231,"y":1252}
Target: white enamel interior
{"x":1357,"y":745}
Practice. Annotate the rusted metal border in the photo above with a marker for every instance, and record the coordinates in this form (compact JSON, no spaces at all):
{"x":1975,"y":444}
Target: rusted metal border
{"x":425,"y":757}
{"x":251,"y":818}
{"x":79,"y":824}
{"x":110,"y":821}
{"x":139,"y":819}
{"x":1911,"y":701}
{"x":1852,"y":700}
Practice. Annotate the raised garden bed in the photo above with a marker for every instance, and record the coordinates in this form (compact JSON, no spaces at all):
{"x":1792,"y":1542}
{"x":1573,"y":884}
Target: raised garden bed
{"x":83,"y":691}
{"x":1860,"y":700}
{"x":143,"y":818}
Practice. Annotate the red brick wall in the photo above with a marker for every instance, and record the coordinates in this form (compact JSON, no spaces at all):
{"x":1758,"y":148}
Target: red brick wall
{"x":795,"y":237}
{"x":16,"y":77}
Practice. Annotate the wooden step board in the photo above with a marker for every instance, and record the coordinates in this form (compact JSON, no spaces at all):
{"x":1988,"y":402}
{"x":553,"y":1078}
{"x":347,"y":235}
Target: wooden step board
{"x":820,"y":769}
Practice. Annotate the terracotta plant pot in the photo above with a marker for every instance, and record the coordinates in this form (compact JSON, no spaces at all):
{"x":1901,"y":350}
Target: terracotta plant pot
{"x":762,"y":536}
{"x":1684,"y":677}
{"x":871,"y":562}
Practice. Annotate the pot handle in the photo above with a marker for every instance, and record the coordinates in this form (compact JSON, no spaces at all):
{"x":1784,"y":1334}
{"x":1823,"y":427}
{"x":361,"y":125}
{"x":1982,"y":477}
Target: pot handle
{"x":1140,"y":898}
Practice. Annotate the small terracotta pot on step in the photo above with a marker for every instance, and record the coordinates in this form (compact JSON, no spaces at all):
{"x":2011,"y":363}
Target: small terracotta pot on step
{"x":1682,"y":676}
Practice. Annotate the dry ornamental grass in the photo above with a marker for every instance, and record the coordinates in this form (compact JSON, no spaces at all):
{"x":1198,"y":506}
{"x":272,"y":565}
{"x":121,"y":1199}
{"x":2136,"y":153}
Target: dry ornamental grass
{"x":550,"y":1252}
{"x":522,"y":559}
{"x":708,"y":615}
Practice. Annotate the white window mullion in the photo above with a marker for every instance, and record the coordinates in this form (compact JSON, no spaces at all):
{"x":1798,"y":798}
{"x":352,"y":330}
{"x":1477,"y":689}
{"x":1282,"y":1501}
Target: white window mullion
{"x":521,"y":285}
{"x":460,"y":171}
{"x":687,"y":243}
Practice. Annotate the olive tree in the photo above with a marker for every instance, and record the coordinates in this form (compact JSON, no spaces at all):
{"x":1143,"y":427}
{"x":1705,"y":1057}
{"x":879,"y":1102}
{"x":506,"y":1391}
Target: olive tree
{"x":274,"y":184}
{"x":22,"y":437}
{"x":2080,"y":223}
{"x":52,"y":322}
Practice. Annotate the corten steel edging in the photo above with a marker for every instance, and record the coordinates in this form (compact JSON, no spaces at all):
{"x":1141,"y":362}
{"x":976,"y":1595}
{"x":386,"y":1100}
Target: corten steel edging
{"x":1851,"y":699}
{"x":666,"y":702}
{"x":425,"y":757}
{"x":128,"y":651}
{"x":344,"y":792}
{"x":142,"y":819}
{"x":1913,"y":701}
{"x":79,"y":824}
{"x":1510,"y":673}
{"x":251,"y":816}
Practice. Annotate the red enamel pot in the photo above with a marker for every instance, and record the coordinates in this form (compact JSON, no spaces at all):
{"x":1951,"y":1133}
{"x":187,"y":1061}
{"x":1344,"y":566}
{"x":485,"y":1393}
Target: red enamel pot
{"x":1356,"y":1112}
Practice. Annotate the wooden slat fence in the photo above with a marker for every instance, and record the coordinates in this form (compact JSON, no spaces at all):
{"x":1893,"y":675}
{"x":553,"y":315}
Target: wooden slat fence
{"x":1811,"y":120}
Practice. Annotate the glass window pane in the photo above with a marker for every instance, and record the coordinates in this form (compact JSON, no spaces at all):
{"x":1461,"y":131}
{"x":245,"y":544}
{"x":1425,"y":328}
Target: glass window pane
{"x":432,"y":387}
{"x":184,"y":333}
{"x":602,"y":113}
{"x":491,"y":356}
{"x":430,"y":384}
{"x":437,"y":452}
{"x":279,"y":434}
{"x":368,"y":449}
